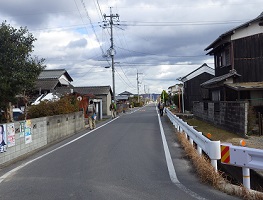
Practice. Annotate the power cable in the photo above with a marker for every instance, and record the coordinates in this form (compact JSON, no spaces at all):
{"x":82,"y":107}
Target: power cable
{"x":123,"y":79}
{"x":141,"y":23}
{"x":179,"y":56}
{"x":93,"y":28}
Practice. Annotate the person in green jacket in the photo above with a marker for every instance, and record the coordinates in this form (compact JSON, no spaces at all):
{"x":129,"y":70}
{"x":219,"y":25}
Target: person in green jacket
{"x":113,"y":109}
{"x":91,"y":112}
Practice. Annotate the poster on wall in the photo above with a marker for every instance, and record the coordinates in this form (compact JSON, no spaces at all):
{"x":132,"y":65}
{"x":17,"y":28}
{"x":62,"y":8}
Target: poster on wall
{"x":28,"y":135}
{"x":11,"y":137}
{"x":2,"y":138}
{"x":22,"y":129}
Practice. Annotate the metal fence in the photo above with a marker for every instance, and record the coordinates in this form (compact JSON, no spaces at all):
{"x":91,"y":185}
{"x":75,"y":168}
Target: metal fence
{"x":247,"y":158}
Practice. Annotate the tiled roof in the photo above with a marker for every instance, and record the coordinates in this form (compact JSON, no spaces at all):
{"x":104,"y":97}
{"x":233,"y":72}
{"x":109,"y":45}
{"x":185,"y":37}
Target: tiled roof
{"x":54,"y":74}
{"x":126,"y":93}
{"x":96,"y":90}
{"x":200,"y":70}
{"x":46,"y":84}
{"x":246,"y":86}
{"x":219,"y":79}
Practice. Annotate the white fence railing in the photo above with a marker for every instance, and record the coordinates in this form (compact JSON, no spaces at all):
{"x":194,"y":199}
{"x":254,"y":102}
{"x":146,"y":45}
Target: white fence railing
{"x":247,"y":158}
{"x":211,"y":148}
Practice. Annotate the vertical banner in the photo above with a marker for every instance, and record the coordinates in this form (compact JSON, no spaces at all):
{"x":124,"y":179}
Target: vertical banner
{"x":11,"y":137}
{"x":2,"y":136}
{"x":28,"y":136}
{"x":22,"y":128}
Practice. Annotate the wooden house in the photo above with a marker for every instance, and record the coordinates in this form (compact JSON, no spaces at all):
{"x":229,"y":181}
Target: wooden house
{"x":238,"y":58}
{"x":191,"y":86}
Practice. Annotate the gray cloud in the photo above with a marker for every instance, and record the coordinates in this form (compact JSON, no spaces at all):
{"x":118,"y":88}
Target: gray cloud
{"x":81,"y":43}
{"x":161,"y":39}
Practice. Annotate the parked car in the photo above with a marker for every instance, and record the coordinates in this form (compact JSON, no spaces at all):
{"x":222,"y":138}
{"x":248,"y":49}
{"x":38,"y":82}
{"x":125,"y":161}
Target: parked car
{"x":17,"y":113}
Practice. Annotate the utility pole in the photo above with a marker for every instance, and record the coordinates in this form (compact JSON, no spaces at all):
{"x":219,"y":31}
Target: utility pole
{"x":138,"y":85}
{"x":111,"y":51}
{"x":145,"y":92}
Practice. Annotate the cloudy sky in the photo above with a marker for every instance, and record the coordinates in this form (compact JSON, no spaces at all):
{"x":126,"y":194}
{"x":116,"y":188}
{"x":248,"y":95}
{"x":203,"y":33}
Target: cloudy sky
{"x":160,"y":40}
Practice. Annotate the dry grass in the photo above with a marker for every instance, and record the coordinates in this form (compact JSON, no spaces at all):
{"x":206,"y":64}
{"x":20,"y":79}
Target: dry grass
{"x":216,"y":133}
{"x":207,"y":173}
{"x":204,"y":169}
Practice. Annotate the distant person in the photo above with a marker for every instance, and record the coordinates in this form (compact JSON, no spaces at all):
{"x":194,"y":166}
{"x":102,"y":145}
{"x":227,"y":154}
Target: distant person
{"x":161,"y":107}
{"x":113,"y":109}
{"x":91,"y":112}
{"x":2,"y":139}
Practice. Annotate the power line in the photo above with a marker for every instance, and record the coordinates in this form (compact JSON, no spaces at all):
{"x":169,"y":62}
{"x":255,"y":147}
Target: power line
{"x":93,"y":28}
{"x":154,"y":64}
{"x":179,"y":56}
{"x":143,"y":24}
{"x":99,"y":7}
{"x":199,"y":23}
{"x":124,"y":80}
{"x":126,"y":76}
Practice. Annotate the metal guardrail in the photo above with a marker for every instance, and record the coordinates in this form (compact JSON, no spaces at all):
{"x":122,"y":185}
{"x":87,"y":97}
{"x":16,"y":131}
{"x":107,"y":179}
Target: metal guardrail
{"x":247,"y":158}
{"x":211,"y":148}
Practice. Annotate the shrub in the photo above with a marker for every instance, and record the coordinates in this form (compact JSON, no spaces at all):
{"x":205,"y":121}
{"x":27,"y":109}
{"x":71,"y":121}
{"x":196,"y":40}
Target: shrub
{"x":65,"y":105}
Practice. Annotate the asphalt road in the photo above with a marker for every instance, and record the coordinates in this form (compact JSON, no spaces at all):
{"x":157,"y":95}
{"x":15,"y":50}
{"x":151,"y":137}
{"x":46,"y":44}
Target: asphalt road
{"x":122,"y":159}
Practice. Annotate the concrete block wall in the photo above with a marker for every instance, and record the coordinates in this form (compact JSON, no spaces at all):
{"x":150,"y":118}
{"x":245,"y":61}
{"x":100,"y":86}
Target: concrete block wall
{"x":61,"y":126}
{"x":231,"y":116}
{"x":44,"y":130}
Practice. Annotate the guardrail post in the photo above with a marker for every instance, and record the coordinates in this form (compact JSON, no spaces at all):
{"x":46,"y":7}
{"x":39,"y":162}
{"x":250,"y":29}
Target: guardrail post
{"x":191,"y":141}
{"x":199,"y":150}
{"x":214,"y":152}
{"x":211,"y":148}
{"x":246,"y":177}
{"x":214,"y":164}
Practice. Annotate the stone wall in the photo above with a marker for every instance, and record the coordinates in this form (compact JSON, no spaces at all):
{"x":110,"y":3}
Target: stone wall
{"x":231,"y":116}
{"x":43,"y":131}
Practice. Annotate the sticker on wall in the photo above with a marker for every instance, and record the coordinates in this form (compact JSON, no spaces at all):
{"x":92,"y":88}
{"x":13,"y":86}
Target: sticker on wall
{"x":28,"y":135}
{"x":2,"y":138}
{"x":11,"y":136}
{"x":22,"y":129}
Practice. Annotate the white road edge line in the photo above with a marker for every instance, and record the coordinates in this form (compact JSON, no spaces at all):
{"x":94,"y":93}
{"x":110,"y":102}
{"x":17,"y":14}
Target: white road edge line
{"x":170,"y":164}
{"x":3,"y":177}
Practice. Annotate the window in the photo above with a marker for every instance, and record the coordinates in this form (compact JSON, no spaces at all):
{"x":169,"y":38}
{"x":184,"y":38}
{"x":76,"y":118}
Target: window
{"x":223,"y":58}
{"x":216,"y":95}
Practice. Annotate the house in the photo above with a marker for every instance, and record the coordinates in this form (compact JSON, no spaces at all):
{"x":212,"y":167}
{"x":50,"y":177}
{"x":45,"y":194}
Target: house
{"x":174,"y":89}
{"x":124,"y":96}
{"x":238,"y":57}
{"x":172,"y":92}
{"x":49,"y":80}
{"x":126,"y":93}
{"x":84,"y":100}
{"x":100,"y":92}
{"x":238,"y":81}
{"x":58,"y":82}
{"x":191,"y":86}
